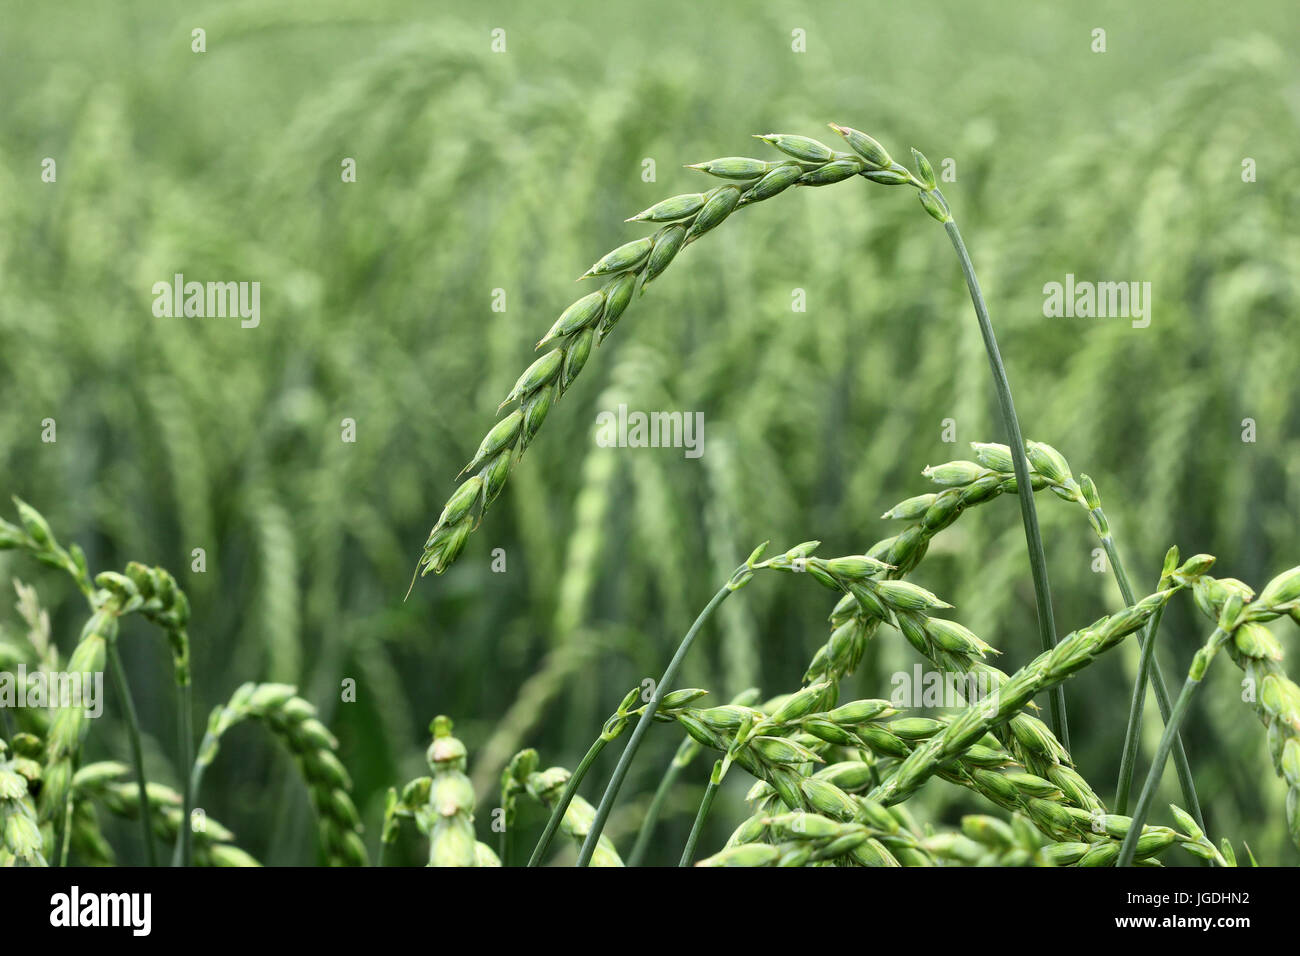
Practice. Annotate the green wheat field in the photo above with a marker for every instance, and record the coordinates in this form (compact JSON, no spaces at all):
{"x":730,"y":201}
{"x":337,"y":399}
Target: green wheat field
{"x":415,"y":187}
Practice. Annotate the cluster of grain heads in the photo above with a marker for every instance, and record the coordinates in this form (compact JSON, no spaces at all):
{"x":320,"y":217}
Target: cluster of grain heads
{"x":1240,"y":616}
{"x":1074,"y":651}
{"x":20,"y":835}
{"x":293,"y":721}
{"x":35,"y":537}
{"x":70,"y":724}
{"x":547,"y":787}
{"x":163,"y":603}
{"x":870,"y":601}
{"x":967,"y":483}
{"x":102,"y":783}
{"x":1060,"y":804}
{"x":448,"y":814}
{"x":862,"y":834}
{"x":664,"y":711}
{"x":988,"y":841}
{"x":151,"y":592}
{"x":632,"y":266}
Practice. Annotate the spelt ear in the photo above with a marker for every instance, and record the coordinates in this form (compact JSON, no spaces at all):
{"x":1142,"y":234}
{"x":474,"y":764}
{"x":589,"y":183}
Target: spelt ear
{"x":587,"y":322}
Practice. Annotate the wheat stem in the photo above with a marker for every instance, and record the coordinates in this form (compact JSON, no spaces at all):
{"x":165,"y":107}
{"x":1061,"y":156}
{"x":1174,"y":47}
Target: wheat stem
{"x":66,"y":841}
{"x":137,"y":752}
{"x":183,"y":854}
{"x":715,"y":779}
{"x":685,"y":753}
{"x":1129,"y":846}
{"x":647,"y":715}
{"x":562,"y":805}
{"x":1147,"y":665}
{"x":1037,"y":559}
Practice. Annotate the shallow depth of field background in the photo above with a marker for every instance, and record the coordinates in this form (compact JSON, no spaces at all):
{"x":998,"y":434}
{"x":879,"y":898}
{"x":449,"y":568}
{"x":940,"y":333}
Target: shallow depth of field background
{"x":479,"y":171}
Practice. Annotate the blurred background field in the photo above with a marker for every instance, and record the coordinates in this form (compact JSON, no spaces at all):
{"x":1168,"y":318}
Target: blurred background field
{"x":479,"y":171}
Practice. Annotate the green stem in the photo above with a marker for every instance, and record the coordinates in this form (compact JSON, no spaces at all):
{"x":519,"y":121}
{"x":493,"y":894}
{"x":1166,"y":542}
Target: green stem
{"x":1129,"y":847}
{"x":647,"y":717}
{"x":67,"y":830}
{"x":685,"y":752}
{"x":715,"y":779}
{"x":562,"y":805}
{"x":185,"y":702}
{"x":182,"y":852}
{"x":137,"y":751}
{"x":1148,"y":669}
{"x":1016,"y":442}
{"x":195,"y":780}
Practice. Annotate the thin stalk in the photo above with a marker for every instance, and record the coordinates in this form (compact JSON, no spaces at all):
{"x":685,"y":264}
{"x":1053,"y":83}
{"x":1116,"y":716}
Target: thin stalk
{"x":715,"y":779}
{"x":383,"y":850}
{"x":193,"y":783}
{"x":647,"y":717}
{"x":670,"y":776}
{"x":182,"y":852}
{"x":196,"y":771}
{"x":1148,"y":670}
{"x":137,"y":752}
{"x":1016,"y":442}
{"x":67,"y":830}
{"x":561,"y":805}
{"x":1129,"y":847}
{"x":185,"y":703}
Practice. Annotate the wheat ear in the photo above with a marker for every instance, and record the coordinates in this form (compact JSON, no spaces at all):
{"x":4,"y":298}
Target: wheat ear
{"x":100,"y":782}
{"x":20,"y":834}
{"x":293,"y":720}
{"x":967,"y":483}
{"x":1239,"y":614}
